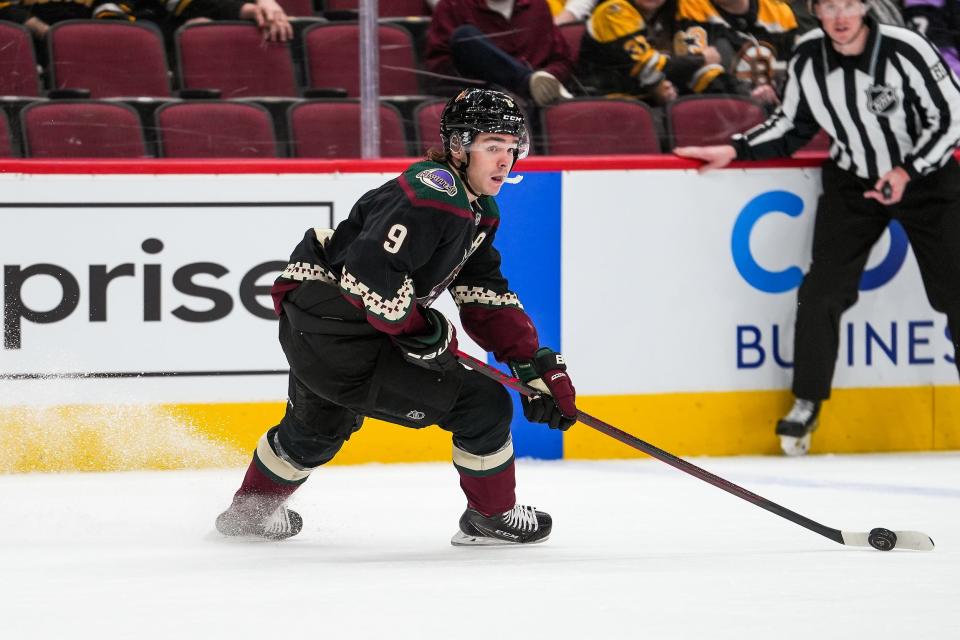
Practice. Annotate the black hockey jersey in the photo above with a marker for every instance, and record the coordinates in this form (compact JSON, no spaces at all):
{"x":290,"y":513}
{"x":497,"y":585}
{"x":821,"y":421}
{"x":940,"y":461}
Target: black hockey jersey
{"x":402,"y":245}
{"x":753,"y":46}
{"x":617,"y":55}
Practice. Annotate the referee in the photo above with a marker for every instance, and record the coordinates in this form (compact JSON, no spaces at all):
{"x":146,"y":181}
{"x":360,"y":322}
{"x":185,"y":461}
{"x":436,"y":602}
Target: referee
{"x":892,"y":109}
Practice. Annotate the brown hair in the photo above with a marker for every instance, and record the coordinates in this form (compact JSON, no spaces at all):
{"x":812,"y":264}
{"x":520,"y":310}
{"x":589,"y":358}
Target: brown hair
{"x":437,"y":155}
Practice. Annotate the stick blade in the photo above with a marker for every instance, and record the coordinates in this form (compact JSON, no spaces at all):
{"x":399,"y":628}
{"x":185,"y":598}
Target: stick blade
{"x":912,"y":540}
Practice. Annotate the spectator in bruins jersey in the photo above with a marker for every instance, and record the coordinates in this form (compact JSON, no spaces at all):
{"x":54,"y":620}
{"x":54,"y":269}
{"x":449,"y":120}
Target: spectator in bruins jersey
{"x":625,"y":51}
{"x":754,"y":39}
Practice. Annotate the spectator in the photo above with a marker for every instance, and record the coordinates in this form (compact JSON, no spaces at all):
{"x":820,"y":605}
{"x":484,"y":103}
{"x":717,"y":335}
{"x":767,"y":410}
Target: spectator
{"x":571,"y":11}
{"x":38,"y":15}
{"x":938,"y":20}
{"x":269,"y":16}
{"x":754,"y":39}
{"x":13,"y":11}
{"x":626,"y":51}
{"x":509,"y":43}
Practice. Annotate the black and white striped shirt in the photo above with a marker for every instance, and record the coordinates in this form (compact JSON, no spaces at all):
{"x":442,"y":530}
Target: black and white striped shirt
{"x":896,"y":104}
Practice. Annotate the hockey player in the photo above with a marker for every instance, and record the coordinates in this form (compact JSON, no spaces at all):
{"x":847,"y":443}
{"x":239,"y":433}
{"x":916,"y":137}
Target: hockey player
{"x":361,"y":338}
{"x":888,"y":100}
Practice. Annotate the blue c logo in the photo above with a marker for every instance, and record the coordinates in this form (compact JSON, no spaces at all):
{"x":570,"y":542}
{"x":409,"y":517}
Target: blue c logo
{"x":782,"y":281}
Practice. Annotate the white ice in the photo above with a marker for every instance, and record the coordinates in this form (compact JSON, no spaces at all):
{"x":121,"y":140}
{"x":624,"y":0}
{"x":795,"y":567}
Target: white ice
{"x":639,"y":550}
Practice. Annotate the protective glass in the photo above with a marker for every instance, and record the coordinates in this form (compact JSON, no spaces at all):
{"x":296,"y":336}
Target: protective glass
{"x":519,"y":147}
{"x":849,"y":9}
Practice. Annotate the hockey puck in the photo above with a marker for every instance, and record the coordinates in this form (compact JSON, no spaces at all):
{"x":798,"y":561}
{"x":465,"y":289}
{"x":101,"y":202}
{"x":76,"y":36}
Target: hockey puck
{"x":882,"y":539}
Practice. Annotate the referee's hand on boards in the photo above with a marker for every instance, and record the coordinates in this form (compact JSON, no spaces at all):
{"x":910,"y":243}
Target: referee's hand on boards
{"x":890,"y":187}
{"x":715,"y":157}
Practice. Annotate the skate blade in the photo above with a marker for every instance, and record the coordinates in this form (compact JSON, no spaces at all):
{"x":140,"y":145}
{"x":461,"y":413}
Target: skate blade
{"x":460,"y":539}
{"x":795,"y":446}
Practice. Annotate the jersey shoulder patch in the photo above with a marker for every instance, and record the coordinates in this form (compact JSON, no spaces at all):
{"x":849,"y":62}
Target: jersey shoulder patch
{"x":431,"y":184}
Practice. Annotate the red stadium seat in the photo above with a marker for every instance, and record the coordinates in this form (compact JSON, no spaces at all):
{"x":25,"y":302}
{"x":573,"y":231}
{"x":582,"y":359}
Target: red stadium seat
{"x":573,"y":34}
{"x":233,"y":57}
{"x":215,"y":129}
{"x":112,"y":59}
{"x":331,"y":129}
{"x":81,"y":129}
{"x":6,"y":147}
{"x":332,"y":60}
{"x":18,"y":63}
{"x":599,"y":126}
{"x":426,"y":124}
{"x":820,"y":142}
{"x":706,"y":120}
{"x":385,"y":8}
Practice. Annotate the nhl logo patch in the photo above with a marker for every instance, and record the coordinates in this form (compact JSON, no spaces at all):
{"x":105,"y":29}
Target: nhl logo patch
{"x":439,"y":180}
{"x":882,"y":100}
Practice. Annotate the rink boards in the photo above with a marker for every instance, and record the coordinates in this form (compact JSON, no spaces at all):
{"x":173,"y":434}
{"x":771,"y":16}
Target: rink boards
{"x":138,"y":332}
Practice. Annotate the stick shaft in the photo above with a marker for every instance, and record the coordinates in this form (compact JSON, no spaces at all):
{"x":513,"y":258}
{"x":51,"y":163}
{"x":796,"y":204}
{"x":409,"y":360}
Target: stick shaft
{"x":664,"y":456}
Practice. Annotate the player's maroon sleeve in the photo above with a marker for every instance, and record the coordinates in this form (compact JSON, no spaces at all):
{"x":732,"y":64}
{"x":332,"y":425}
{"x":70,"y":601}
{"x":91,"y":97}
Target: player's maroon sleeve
{"x":491,"y":314}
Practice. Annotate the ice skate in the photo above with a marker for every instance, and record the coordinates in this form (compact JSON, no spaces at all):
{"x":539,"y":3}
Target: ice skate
{"x":258,"y":518}
{"x":796,"y":427}
{"x":520,"y":525}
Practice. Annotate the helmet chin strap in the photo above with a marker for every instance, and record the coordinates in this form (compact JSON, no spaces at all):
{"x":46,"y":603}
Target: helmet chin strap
{"x":462,"y":171}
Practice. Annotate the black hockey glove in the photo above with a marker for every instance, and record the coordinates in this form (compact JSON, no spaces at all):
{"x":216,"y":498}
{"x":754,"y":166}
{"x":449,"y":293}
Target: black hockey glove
{"x":547,"y":373}
{"x":435,"y":350}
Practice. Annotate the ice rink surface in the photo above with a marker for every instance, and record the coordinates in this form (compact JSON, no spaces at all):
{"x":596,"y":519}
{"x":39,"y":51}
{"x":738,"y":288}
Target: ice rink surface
{"x":639,"y":550}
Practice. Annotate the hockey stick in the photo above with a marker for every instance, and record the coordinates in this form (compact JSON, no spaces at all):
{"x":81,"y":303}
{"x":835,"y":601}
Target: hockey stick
{"x":878,"y":538}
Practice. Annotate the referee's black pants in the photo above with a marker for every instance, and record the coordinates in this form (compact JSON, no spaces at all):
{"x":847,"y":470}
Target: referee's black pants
{"x":846,"y":227}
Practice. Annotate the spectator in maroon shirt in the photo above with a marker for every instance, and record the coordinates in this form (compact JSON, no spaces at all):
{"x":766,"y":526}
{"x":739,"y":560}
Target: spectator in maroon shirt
{"x":510,"y":43}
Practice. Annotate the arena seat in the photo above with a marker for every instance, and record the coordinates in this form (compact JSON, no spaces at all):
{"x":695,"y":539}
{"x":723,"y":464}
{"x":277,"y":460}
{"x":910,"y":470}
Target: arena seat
{"x":706,"y":120}
{"x":215,"y":129}
{"x":331,"y":129}
{"x":6,"y":145}
{"x":110,"y":58}
{"x":426,"y":124}
{"x":331,"y":59}
{"x":598,"y":126}
{"x":573,"y":34}
{"x":820,"y":142}
{"x":81,"y":129}
{"x":233,"y":58}
{"x":18,"y":64}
